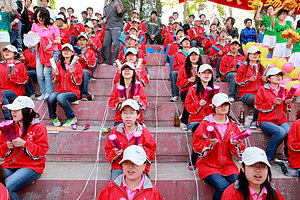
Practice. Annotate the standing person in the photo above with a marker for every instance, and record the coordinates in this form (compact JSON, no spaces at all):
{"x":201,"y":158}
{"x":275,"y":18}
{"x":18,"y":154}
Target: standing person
{"x":51,"y":12}
{"x":6,"y":16}
{"x":215,"y":165}
{"x":295,"y":56}
{"x":232,"y":31}
{"x":196,"y":33}
{"x":186,"y":27}
{"x":168,"y":28}
{"x":84,"y":17}
{"x":89,"y":12}
{"x":26,"y":18}
{"x":15,"y":37}
{"x":70,"y":11}
{"x":50,"y":36}
{"x":136,"y":185}
{"x":248,"y":34}
{"x":152,"y":28}
{"x":250,"y":78}
{"x":272,"y":111}
{"x":114,"y":24}
{"x":269,"y":35}
{"x":24,"y":157}
{"x":254,"y":180}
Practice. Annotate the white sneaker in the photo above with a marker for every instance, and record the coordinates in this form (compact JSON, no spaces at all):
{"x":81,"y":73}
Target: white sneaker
{"x":46,"y":96}
{"x":41,"y":98}
{"x":56,"y":122}
{"x":253,"y":125}
{"x":70,"y":122}
{"x":174,"y":99}
{"x":183,"y":127}
{"x":231,"y":99}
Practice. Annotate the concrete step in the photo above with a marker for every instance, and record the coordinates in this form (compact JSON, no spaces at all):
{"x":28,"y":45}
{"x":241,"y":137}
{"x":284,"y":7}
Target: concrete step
{"x":67,"y":180}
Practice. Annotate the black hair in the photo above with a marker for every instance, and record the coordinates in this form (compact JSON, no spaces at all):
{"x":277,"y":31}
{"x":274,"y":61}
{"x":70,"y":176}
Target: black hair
{"x":62,"y":8}
{"x":192,"y":16}
{"x":212,"y":24}
{"x":246,"y":20}
{"x":260,"y":67}
{"x":200,"y":87}
{"x":133,"y":80}
{"x":47,"y":0}
{"x":261,"y":25}
{"x":62,"y":61}
{"x":28,"y":115}
{"x":63,"y":14}
{"x":218,"y":24}
{"x":35,"y":7}
{"x":243,"y":185}
{"x":298,"y":24}
{"x":154,"y":12}
{"x":43,"y":14}
{"x":2,"y":176}
{"x":175,"y":13}
{"x":178,"y":30}
{"x":232,"y":20}
{"x":202,"y":15}
{"x":282,"y":11}
{"x":270,"y":5}
{"x":90,"y":8}
{"x":84,"y":12}
{"x":188,"y":65}
{"x":71,"y":9}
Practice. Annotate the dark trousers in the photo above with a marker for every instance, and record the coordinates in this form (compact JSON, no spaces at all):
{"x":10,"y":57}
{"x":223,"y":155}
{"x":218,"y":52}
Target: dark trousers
{"x":185,"y":114}
{"x":111,"y":36}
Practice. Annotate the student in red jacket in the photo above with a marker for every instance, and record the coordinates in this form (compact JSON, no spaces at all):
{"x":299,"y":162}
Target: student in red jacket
{"x":4,"y":195}
{"x":294,"y":144}
{"x":98,"y":30}
{"x":128,"y":81}
{"x":254,"y":180}
{"x":210,"y":39}
{"x":271,"y":111}
{"x":141,"y":37}
{"x":133,"y":184}
{"x":173,"y":49}
{"x":94,"y":41}
{"x":215,"y":163}
{"x":135,"y":18}
{"x":168,"y":28}
{"x":13,"y":77}
{"x":186,"y":79}
{"x":68,"y":77}
{"x":250,"y":78}
{"x":64,"y":32}
{"x":179,"y":60}
{"x":87,"y":59}
{"x":125,"y":131}
{"x":131,"y":42}
{"x":24,"y":157}
{"x":230,"y":64}
{"x":196,"y":33}
{"x":75,"y":28}
{"x":171,"y":35}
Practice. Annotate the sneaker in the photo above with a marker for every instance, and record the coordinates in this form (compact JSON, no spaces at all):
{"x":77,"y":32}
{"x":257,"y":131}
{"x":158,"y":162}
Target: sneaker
{"x":92,"y":79}
{"x":46,"y":96}
{"x":90,"y":97}
{"x":174,"y":99}
{"x":41,"y":98}
{"x":183,"y":127}
{"x":253,"y":125}
{"x":231,"y":99}
{"x":191,"y":166}
{"x":33,"y":97}
{"x":70,"y":122}
{"x":83,"y":98}
{"x":75,"y":102}
{"x":218,"y":79}
{"x":56,"y":122}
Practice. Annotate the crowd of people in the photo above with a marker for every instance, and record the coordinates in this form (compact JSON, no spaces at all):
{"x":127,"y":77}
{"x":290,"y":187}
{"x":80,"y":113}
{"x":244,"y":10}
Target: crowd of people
{"x":61,"y":54}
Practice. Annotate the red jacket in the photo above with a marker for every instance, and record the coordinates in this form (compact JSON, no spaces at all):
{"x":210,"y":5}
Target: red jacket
{"x":76,"y":31}
{"x":216,"y":159}
{"x":147,"y":142}
{"x":129,"y":25}
{"x":32,"y":154}
{"x":4,"y":195}
{"x":179,"y":60}
{"x":123,"y":51}
{"x":115,"y":190}
{"x":97,"y":45}
{"x":30,"y":58}
{"x":142,"y":76}
{"x":182,"y":80}
{"x":196,"y":33}
{"x":294,"y":145}
{"x":170,"y":37}
{"x":165,"y":30}
{"x":89,"y":60}
{"x":229,"y":61}
{"x":173,"y":49}
{"x":13,"y":78}
{"x":213,"y":54}
{"x":207,"y":44}
{"x":114,"y":103}
{"x":100,"y":32}
{"x":143,"y":44}
{"x":192,"y":104}
{"x":232,"y":193}
{"x":243,"y":75}
{"x":267,"y":110}
{"x":46,"y":51}
{"x":65,"y":36}
{"x":68,"y":82}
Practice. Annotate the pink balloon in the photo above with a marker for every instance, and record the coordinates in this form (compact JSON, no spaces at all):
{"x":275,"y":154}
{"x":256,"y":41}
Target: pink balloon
{"x":288,"y":67}
{"x":268,"y":59}
{"x":260,"y":44}
{"x":245,"y":52}
{"x":297,"y":93}
{"x":285,"y":80}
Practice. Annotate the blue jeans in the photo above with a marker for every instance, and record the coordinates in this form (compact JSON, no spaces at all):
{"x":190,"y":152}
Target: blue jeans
{"x":73,"y":40}
{"x":63,"y":99}
{"x":166,"y":55}
{"x":44,"y":76}
{"x":230,"y":77}
{"x":55,"y":55}
{"x":171,"y":63}
{"x":29,"y":88}
{"x":85,"y":82}
{"x":220,"y":183}
{"x":278,"y":134}
{"x":115,"y":173}
{"x":195,"y":43}
{"x":218,"y":62}
{"x":192,"y":125}
{"x":175,"y":89}
{"x":8,"y":97}
{"x":17,"y":179}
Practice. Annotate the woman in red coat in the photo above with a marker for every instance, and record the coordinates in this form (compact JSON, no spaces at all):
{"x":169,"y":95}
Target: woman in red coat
{"x":68,"y":77}
{"x":4,"y":195}
{"x":254,"y":180}
{"x":215,"y":150}
{"x":294,"y":144}
{"x":24,"y":156}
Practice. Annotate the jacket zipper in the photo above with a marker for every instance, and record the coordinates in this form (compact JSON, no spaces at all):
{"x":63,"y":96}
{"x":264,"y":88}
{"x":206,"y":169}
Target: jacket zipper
{"x":65,"y":81}
{"x":16,"y":157}
{"x":276,"y":114}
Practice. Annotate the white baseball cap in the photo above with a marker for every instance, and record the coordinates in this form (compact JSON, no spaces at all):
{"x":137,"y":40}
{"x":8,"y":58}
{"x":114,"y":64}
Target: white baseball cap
{"x":133,"y":27}
{"x":133,"y":37}
{"x":136,"y":20}
{"x":95,"y":18}
{"x":184,"y":38}
{"x":253,"y":155}
{"x":235,"y":41}
{"x":273,"y":71}
{"x":254,"y":49}
{"x":194,"y":50}
{"x":10,"y":48}
{"x":175,"y":21}
{"x":171,"y":16}
{"x":135,"y":154}
{"x":67,"y":45}
{"x":135,"y":11}
{"x":74,"y":15}
{"x":128,"y":64}
{"x":197,"y":19}
{"x":82,"y":34}
{"x":19,"y":103}
{"x":131,"y":50}
{"x":89,"y":24}
{"x":204,"y":67}
{"x":60,"y":17}
{"x":132,"y":103}
{"x":220,"y":99}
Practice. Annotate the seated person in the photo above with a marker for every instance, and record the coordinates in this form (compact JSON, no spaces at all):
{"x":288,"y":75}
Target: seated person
{"x":248,"y":34}
{"x":210,"y":39}
{"x":196,"y":33}
{"x":173,"y":49}
{"x":294,"y":144}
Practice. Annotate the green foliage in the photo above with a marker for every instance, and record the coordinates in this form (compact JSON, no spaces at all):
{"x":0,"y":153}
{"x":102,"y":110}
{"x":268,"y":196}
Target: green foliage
{"x":222,"y":13}
{"x":170,"y":3}
{"x":53,"y":4}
